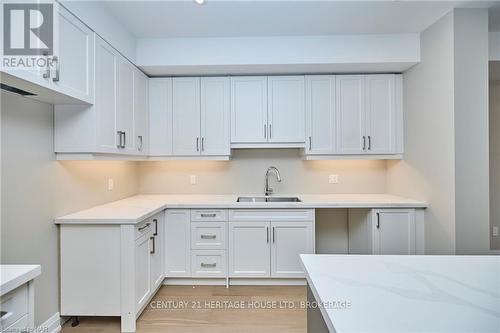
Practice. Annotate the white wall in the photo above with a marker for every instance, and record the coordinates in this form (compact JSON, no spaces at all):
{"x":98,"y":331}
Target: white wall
{"x":428,"y":173}
{"x":471,"y":131}
{"x":277,"y":54}
{"x":495,"y":160}
{"x":99,"y":18}
{"x":36,"y":188}
{"x":245,"y":174}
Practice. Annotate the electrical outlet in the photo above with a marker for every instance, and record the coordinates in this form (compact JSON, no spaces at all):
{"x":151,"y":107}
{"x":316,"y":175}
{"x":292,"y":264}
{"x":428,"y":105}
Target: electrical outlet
{"x":495,"y":230}
{"x":111,"y":184}
{"x":192,"y":180}
{"x":333,"y":179}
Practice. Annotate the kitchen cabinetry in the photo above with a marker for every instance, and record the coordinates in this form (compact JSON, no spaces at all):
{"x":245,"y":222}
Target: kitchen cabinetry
{"x":268,"y":243}
{"x":177,"y":243}
{"x":157,"y":251}
{"x":141,"y":112}
{"x":186,"y":116}
{"x":320,"y":114}
{"x":382,"y":231}
{"x":160,"y":117}
{"x":142,"y":269}
{"x":125,"y":107}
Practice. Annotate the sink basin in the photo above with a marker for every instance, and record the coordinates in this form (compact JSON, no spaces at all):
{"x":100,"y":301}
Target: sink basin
{"x":268,"y":199}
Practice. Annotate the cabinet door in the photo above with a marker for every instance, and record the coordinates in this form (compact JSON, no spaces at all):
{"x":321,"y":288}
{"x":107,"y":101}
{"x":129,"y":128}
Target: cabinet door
{"x":75,"y":73}
{"x":186,"y":116}
{"x":177,"y":243}
{"x":394,"y":231}
{"x":320,"y":114}
{"x":157,"y":258}
{"x":125,"y":105}
{"x":380,"y":113}
{"x":249,"y":109}
{"x":106,"y":63}
{"x":249,"y":249}
{"x":286,"y":109}
{"x":289,"y":241}
{"x":350,"y":114}
{"x":142,"y":270}
{"x":160,"y":116}
{"x":215,"y":105}
{"x":141,"y":112}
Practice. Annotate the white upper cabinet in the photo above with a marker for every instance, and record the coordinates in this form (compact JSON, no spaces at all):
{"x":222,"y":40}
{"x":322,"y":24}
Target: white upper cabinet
{"x":74,"y":73}
{"x":286,"y":109}
{"x":160,"y":116}
{"x":320,"y":114}
{"x":125,"y":106}
{"x":186,"y":116}
{"x":141,"y":112}
{"x":249,"y":109}
{"x":350,"y":95}
{"x":215,"y":112}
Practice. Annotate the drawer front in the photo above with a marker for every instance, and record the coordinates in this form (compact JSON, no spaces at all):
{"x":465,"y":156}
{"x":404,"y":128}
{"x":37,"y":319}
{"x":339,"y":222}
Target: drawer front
{"x":208,"y":215}
{"x":14,"y":306}
{"x":208,"y":235}
{"x":208,"y":263}
{"x":143,"y":228}
{"x":287,"y":215}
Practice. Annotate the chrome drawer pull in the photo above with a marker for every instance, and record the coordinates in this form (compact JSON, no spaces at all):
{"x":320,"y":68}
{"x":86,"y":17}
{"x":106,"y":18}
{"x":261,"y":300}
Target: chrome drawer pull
{"x":209,"y":215}
{"x":142,"y":228}
{"x":208,"y":265}
{"x":208,"y":236}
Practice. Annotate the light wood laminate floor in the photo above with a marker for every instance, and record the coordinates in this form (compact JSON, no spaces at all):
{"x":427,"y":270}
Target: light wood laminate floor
{"x":268,"y":309}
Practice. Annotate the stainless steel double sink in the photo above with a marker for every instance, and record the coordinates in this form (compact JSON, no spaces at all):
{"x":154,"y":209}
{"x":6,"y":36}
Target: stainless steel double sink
{"x":268,"y":199}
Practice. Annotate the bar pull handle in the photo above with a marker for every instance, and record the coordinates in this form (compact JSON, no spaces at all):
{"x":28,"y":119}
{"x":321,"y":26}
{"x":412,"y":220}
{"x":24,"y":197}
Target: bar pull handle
{"x":208,"y":236}
{"x":274,"y":235}
{"x":156,"y":227}
{"x":154,"y":245}
{"x":124,"y":139}
{"x":369,"y":142}
{"x":203,"y":144}
{"x":140,"y":143}
{"x":208,"y":265}
{"x":208,"y":214}
{"x":265,"y":131}
{"x":144,"y":227}
{"x":197,"y":144}
{"x":310,"y":143}
{"x":56,"y":78}
{"x":270,"y":131}
{"x":267,"y":234}
{"x":364,"y":142}
{"x":46,"y":75}
{"x":378,"y":220}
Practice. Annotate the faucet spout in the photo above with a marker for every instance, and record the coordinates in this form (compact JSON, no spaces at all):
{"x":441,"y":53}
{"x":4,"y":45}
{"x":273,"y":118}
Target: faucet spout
{"x":268,"y":190}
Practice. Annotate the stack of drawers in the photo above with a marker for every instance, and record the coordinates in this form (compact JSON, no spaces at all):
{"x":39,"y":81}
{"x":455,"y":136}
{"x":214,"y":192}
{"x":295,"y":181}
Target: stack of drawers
{"x":208,"y":243}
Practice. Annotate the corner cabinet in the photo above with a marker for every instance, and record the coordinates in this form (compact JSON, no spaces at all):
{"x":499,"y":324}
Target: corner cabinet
{"x":117,"y":123}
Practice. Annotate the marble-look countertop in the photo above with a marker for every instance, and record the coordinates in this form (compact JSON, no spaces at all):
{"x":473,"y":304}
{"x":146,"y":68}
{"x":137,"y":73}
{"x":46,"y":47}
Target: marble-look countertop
{"x":137,"y":208}
{"x":406,"y":293}
{"x":13,"y":276}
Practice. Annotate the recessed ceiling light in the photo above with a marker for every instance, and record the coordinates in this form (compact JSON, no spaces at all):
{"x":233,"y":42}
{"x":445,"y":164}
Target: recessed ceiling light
{"x":199,"y":2}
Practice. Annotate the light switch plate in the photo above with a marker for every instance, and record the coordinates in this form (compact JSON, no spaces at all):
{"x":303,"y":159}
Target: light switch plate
{"x":111,"y":184}
{"x":192,"y":180}
{"x":333,"y":179}
{"x":495,"y":230}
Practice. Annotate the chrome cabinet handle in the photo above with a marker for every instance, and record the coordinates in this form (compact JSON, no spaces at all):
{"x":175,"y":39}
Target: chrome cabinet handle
{"x":378,"y":220}
{"x":208,"y":215}
{"x":369,"y":142}
{"x":270,"y":131}
{"x":203,"y":144}
{"x":121,"y":139}
{"x":310,"y":143}
{"x":267,"y":234}
{"x":208,"y":236}
{"x":46,"y":75}
{"x":141,"y":143}
{"x":364,"y":142}
{"x":197,"y":144}
{"x":56,"y":78}
{"x":208,"y":265}
{"x":124,"y":139}
{"x":144,"y":227}
{"x":156,"y":227}
{"x":274,"y":235}
{"x":154,"y":245}
{"x":265,"y":131}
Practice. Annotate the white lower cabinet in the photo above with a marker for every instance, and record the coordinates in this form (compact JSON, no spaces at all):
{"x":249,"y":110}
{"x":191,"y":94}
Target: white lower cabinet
{"x":142,"y":269}
{"x":382,"y":231}
{"x":157,"y":250}
{"x":208,"y":263}
{"x":249,"y":249}
{"x":177,"y":243}
{"x":289,"y":240}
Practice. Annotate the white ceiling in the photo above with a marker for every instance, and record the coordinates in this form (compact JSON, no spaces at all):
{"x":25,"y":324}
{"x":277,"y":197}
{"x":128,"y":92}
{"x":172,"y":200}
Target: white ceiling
{"x":164,"y":19}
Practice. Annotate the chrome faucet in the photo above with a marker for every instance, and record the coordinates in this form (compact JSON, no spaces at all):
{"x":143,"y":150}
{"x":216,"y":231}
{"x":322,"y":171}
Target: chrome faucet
{"x":268,"y":190}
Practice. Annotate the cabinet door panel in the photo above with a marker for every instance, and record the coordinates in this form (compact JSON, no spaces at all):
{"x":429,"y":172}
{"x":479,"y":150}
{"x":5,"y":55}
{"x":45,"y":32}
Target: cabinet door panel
{"x":177,"y":243}
{"x":76,"y":57}
{"x":350,"y":114}
{"x":106,"y":96}
{"x":249,"y":109}
{"x":215,"y":105}
{"x":142,"y":270}
{"x":381,"y":113}
{"x":289,"y":240}
{"x":141,"y":112}
{"x":186,"y":116}
{"x":157,"y":258}
{"x":125,"y":104}
{"x":160,"y":116}
{"x":320,"y":114}
{"x":249,"y":249}
{"x":394,"y":231}
{"x":286,"y":109}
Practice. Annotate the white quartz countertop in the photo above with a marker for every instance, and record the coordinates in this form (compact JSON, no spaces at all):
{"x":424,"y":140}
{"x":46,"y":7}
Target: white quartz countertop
{"x":406,"y":293}
{"x":13,"y":276}
{"x":137,"y":208}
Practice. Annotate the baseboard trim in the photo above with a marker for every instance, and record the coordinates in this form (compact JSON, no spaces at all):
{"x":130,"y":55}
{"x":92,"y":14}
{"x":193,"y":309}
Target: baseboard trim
{"x":234,"y":282}
{"x":52,"y":325}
